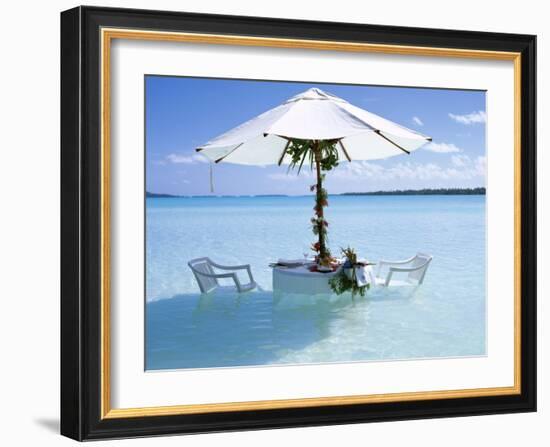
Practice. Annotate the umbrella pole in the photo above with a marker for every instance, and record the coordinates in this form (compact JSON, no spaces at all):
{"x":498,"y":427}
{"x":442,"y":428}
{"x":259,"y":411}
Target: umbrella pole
{"x":319,"y":203}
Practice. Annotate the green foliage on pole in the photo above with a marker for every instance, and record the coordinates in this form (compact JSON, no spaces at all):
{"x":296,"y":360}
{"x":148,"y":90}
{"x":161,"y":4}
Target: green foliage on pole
{"x":301,"y":151}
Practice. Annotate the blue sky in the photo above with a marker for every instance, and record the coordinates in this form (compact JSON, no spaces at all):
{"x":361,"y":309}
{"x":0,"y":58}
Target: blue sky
{"x":183,"y":113}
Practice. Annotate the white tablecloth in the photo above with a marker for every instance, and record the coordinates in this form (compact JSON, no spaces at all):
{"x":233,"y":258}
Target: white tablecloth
{"x":301,"y":280}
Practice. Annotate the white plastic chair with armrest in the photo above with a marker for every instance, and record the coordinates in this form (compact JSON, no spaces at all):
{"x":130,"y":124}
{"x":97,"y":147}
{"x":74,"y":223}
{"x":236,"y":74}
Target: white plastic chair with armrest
{"x":415,"y":268}
{"x":207,"y":278}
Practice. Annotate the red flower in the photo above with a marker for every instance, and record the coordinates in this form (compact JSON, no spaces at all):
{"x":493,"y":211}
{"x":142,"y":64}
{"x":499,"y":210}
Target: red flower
{"x":316,"y":246}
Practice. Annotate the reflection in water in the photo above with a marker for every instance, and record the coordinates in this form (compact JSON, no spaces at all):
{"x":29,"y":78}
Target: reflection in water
{"x":262,"y":327}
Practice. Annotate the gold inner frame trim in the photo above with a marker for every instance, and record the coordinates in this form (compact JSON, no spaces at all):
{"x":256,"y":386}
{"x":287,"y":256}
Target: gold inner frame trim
{"x":107,"y":35}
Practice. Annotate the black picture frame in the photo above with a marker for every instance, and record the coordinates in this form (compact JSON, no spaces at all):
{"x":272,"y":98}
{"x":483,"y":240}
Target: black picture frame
{"x":81,"y":223}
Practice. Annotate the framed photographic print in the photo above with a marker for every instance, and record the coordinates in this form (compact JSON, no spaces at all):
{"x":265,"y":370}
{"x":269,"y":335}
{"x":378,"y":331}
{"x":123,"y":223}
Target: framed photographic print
{"x":277,"y":223}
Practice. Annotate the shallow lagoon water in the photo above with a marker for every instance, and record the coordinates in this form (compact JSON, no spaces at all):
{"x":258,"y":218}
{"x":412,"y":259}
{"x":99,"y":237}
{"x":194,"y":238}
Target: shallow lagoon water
{"x":445,"y":317}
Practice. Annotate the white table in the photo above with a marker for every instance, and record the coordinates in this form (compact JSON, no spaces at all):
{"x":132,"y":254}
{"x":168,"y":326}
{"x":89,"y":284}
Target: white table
{"x":301,"y":281}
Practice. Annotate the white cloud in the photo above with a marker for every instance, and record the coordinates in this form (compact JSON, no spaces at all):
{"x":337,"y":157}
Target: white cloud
{"x":186,"y":159}
{"x":460,"y":160}
{"x":477,"y":166}
{"x":441,"y":147}
{"x":417,"y":121}
{"x":291,"y":176}
{"x":470,"y":118}
{"x":200,"y":158}
{"x":480,"y":165}
{"x":364,"y":170}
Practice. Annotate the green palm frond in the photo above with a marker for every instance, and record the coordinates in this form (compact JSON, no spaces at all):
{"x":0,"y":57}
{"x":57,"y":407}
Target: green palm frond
{"x":299,"y":150}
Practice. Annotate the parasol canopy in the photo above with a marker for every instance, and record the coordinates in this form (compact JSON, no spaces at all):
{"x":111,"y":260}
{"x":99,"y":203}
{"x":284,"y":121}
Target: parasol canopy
{"x":312,"y":115}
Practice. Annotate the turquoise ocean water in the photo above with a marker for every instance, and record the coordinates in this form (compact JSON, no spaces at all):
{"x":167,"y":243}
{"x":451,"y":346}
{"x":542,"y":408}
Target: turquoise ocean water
{"x":445,"y":317}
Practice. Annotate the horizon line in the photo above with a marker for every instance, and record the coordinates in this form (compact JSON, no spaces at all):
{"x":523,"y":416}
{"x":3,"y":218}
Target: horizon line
{"x":476,"y":190}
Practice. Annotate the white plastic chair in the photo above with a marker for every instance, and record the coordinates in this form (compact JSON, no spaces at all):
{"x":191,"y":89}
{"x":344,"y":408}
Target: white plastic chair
{"x":415,"y":268}
{"x":207,"y":278}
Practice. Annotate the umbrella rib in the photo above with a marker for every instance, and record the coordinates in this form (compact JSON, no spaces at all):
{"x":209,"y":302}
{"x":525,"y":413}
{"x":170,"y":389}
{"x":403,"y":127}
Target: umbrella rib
{"x":344,"y":150}
{"x":377,"y":132}
{"x":284,"y":152}
{"x":229,"y":153}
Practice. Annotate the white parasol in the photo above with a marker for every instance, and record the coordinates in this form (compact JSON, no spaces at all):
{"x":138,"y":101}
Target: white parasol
{"x":312,"y":115}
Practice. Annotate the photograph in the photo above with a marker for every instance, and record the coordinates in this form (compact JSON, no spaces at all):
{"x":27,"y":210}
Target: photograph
{"x":296,"y":223}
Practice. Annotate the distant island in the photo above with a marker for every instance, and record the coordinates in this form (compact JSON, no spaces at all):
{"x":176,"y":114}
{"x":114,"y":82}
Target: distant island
{"x":396,"y":192}
{"x":157,"y":195}
{"x":423,"y":192}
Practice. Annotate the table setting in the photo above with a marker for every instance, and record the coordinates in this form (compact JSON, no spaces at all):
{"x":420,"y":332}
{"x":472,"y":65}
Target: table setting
{"x":306,"y":275}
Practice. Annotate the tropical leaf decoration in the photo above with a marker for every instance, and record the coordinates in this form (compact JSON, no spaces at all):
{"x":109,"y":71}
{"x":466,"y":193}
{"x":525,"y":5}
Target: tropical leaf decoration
{"x":341,"y":283}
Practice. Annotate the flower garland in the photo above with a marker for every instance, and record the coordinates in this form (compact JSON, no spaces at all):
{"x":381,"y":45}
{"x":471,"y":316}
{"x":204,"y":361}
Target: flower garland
{"x":322,"y":154}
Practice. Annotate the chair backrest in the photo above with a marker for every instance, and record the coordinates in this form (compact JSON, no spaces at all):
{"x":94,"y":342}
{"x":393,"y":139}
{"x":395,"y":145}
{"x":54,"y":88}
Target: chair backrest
{"x":420,"y":263}
{"x":200,"y":268}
